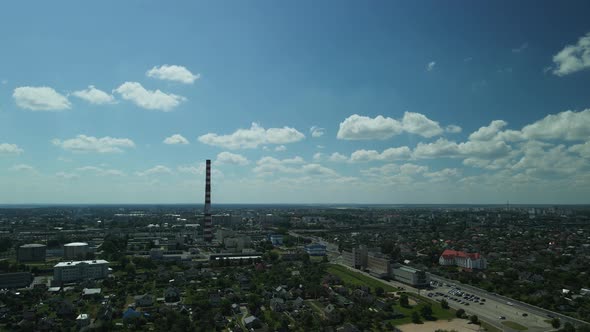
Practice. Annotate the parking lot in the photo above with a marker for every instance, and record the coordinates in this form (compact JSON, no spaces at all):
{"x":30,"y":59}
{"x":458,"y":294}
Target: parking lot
{"x":485,"y":308}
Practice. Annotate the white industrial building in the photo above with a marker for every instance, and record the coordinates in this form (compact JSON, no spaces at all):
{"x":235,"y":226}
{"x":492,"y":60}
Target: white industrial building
{"x":80,"y":270}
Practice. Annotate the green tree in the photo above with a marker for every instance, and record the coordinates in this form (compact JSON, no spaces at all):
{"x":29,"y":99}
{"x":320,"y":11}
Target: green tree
{"x":444,"y":304}
{"x":404,"y":301}
{"x":416,"y":318}
{"x":460,"y":313}
{"x":379,"y":291}
{"x":426,"y":312}
{"x":556,"y":323}
{"x":474,"y":319}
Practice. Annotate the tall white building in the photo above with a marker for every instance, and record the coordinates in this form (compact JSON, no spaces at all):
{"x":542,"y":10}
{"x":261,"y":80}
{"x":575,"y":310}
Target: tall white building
{"x":80,"y":270}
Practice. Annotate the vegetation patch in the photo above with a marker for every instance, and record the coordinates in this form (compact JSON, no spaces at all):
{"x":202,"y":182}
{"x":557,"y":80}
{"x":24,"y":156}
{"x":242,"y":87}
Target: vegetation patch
{"x":514,"y":325}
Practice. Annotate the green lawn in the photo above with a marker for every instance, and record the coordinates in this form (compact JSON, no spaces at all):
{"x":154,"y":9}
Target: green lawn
{"x":514,"y":325}
{"x":490,"y":328}
{"x":359,"y":279}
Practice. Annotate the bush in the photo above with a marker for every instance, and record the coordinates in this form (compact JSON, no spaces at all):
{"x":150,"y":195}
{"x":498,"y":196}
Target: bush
{"x":416,"y":318}
{"x":460,"y":313}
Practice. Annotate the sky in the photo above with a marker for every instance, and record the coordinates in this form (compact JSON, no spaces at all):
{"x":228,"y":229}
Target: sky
{"x":295,"y":102}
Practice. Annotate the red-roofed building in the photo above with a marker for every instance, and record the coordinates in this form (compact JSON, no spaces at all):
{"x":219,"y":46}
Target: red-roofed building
{"x":462,"y":259}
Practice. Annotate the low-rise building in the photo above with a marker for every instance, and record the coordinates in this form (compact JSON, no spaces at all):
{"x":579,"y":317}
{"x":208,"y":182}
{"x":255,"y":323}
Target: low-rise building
{"x":80,"y":270}
{"x":410,"y":276}
{"x":462,"y":259}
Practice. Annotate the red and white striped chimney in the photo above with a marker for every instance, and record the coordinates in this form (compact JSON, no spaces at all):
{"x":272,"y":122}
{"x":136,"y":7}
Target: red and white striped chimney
{"x":208,"y":225}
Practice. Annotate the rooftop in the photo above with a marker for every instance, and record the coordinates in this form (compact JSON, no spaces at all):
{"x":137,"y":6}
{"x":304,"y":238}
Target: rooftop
{"x":94,"y":262}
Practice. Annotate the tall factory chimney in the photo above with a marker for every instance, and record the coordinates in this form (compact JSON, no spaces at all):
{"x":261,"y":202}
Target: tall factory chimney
{"x":208,"y":225}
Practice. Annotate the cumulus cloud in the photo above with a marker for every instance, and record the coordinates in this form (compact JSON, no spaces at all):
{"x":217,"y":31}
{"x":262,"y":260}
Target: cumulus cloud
{"x":253,"y":137}
{"x":390,"y":154}
{"x":582,"y":149}
{"x":94,"y":96}
{"x":23,"y":168}
{"x":231,"y":158}
{"x":173,"y":73}
{"x":317,"y":131}
{"x":357,"y":127}
{"x":175,"y":139}
{"x":270,"y":166}
{"x":281,"y":148}
{"x":573,"y":58}
{"x":488,"y":132}
{"x":444,"y":173}
{"x":337,"y":157}
{"x":83,"y":143}
{"x":159,"y":169}
{"x":199,"y":170}
{"x":453,"y":129}
{"x":419,"y":124}
{"x":101,"y":171}
{"x":317,"y":156}
{"x":149,"y":99}
{"x":6,"y":148}
{"x":40,"y":99}
{"x":440,"y":148}
{"x":568,"y":125}
{"x":430,"y":65}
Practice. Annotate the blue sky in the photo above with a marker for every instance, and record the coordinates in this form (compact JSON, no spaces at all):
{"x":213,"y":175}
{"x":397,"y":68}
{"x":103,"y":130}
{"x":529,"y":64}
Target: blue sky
{"x":300,"y":102}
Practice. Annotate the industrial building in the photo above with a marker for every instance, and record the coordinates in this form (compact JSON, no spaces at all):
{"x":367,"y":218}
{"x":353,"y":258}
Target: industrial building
{"x":76,"y":250}
{"x":316,"y":249}
{"x":15,"y":280}
{"x":33,"y":252}
{"x":410,"y":276}
{"x":80,"y":270}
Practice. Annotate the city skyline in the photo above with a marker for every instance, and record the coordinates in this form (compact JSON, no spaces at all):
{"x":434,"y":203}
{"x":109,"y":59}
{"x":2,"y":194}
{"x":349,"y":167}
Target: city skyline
{"x":337,"y":102}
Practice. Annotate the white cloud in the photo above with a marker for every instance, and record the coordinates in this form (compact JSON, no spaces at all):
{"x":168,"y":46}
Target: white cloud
{"x":317,"y":156}
{"x":402,"y":152}
{"x":176,"y":139}
{"x":67,"y":176}
{"x":411,"y":169}
{"x":200,"y":170}
{"x":149,"y":99}
{"x":453,"y":129}
{"x":430,"y":65}
{"x":317,"y":131}
{"x":437,"y":149}
{"x":253,"y":137}
{"x":24,"y":168}
{"x":173,"y":73}
{"x":40,"y":99}
{"x":159,"y":169}
{"x":573,"y":58}
{"x":231,"y":158}
{"x":419,"y":124}
{"x":337,"y":157}
{"x":444,"y":173}
{"x":281,"y":148}
{"x":488,"y":132}
{"x":357,"y":127}
{"x":521,"y":48}
{"x":101,"y":171}
{"x":582,"y":149}
{"x":6,"y":148}
{"x":568,"y":125}
{"x":83,"y":143}
{"x":94,"y":96}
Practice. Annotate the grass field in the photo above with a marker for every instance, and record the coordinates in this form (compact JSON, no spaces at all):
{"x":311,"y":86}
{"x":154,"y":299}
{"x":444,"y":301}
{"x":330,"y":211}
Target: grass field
{"x":514,"y":325}
{"x":489,"y":327}
{"x":359,"y":279}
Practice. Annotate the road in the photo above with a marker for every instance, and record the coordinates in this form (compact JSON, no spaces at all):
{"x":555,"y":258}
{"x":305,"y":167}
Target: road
{"x":516,"y":305}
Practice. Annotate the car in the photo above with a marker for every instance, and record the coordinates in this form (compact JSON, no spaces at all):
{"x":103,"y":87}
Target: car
{"x":524,"y":314}
{"x":481,"y":303}
{"x":502,"y":317}
{"x":466,"y":303}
